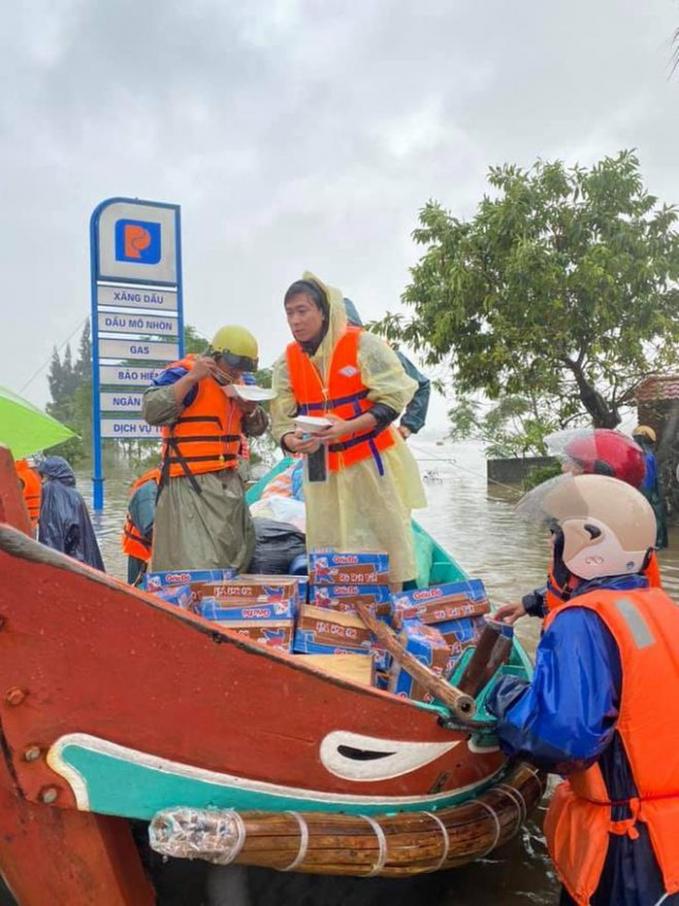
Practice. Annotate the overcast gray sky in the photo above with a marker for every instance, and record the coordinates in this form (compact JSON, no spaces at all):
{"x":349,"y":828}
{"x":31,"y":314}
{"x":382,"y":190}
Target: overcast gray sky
{"x":298,"y":135}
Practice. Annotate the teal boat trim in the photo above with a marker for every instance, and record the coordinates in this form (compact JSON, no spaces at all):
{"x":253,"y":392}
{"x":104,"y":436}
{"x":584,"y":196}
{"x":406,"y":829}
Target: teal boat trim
{"x":111,"y":779}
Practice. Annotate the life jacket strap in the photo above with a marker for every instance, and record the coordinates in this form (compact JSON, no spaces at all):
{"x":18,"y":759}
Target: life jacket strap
{"x":627,"y":826}
{"x":306,"y":408}
{"x":172,"y":443}
{"x":354,"y":441}
{"x":208,"y":438}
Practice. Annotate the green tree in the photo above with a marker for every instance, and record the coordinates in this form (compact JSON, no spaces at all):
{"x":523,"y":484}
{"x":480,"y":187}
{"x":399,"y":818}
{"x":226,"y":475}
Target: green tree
{"x":193,"y":341}
{"x":514,"y":426}
{"x":560,"y":291}
{"x":71,"y":389}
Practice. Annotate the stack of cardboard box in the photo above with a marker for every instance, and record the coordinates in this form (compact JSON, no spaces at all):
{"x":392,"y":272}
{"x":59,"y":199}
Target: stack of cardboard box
{"x":330,"y":624}
{"x":455,"y":609}
{"x":166,"y":584}
{"x":435,"y":624}
{"x":261,"y":608}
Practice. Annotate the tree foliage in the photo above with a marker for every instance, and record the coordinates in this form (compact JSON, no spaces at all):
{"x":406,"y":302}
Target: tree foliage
{"x":70,"y":384}
{"x":560,"y":291}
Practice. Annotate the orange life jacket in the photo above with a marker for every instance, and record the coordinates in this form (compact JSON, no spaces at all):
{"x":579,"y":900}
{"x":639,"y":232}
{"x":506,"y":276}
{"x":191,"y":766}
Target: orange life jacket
{"x":555,"y":595}
{"x":344,"y":395}
{"x":206,"y":436}
{"x":133,"y":543}
{"x":652,"y":571}
{"x":645,"y":626}
{"x":31,"y":486}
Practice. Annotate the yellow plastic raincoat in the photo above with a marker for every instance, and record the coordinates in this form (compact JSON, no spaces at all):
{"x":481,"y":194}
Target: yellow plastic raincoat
{"x":357,"y":508}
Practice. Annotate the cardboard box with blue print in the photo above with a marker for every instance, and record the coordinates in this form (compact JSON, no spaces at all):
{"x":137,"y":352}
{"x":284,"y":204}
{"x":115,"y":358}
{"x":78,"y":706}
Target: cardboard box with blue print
{"x":272,"y":633}
{"x":429,"y":646}
{"x":460,"y":635}
{"x":318,"y":626}
{"x":441,"y":603}
{"x":346,"y":597}
{"x":179,"y":595}
{"x":173,"y":577}
{"x":225,"y":612}
{"x":251,"y":590}
{"x":345,"y":568}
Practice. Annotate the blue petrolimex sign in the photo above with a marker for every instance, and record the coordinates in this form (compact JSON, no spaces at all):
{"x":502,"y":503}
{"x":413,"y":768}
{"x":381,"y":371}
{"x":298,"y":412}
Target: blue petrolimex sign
{"x":135,"y":260}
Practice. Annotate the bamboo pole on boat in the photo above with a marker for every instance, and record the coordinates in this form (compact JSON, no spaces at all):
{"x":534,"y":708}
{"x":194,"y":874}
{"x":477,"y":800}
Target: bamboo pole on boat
{"x":393,"y":845}
{"x":461,"y":704}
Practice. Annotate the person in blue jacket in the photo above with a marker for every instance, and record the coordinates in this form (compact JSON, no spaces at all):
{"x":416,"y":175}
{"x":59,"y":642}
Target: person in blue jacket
{"x":65,"y":523}
{"x":567,"y":718}
{"x":651,"y":488}
{"x":415,"y":413}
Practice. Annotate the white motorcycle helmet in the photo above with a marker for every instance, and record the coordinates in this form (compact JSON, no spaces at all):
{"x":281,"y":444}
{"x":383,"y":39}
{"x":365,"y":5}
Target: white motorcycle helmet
{"x":604,"y":526}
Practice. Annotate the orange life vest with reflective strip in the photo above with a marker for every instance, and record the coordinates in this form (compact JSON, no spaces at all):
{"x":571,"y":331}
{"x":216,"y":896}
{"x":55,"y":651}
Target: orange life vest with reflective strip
{"x":31,"y":487}
{"x":645,"y":626}
{"x":206,"y":436}
{"x":555,"y":595}
{"x":344,"y":395}
{"x":132,"y":542}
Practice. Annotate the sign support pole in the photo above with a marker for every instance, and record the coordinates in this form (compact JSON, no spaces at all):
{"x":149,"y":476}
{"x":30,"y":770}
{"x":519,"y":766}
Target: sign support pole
{"x":97,"y":467}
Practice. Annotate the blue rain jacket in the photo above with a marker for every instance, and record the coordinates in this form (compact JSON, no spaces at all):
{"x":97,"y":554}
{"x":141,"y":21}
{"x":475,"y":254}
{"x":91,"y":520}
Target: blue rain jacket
{"x":64,"y":520}
{"x":565,"y":719}
{"x":171,"y":376}
{"x":142,"y":511}
{"x":652,"y":491}
{"x":415,"y":413}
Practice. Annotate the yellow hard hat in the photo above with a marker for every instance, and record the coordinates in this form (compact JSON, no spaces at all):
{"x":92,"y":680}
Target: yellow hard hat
{"x":644,"y":431}
{"x":238,"y":346}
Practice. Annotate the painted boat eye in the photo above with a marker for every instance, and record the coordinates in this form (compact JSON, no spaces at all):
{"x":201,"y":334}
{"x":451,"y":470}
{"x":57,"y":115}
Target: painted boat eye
{"x":362,"y":754}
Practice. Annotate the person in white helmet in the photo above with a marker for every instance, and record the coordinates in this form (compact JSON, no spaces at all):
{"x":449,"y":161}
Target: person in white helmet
{"x":603,"y":704}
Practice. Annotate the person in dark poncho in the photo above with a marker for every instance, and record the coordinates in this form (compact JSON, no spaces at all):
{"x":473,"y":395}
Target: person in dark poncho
{"x":415,"y":413}
{"x":64,"y":520}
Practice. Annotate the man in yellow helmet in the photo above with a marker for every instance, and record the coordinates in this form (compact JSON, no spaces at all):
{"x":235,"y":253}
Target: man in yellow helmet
{"x":202,"y":520}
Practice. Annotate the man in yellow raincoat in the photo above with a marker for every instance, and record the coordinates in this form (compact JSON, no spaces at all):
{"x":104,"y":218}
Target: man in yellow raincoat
{"x":356,"y":381}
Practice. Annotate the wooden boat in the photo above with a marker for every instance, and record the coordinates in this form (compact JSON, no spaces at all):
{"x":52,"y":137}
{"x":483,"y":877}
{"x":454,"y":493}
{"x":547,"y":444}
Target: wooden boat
{"x":115,"y":705}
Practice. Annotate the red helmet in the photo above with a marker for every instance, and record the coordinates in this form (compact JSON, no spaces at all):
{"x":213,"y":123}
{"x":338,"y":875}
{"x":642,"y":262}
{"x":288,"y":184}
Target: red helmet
{"x":602,"y":451}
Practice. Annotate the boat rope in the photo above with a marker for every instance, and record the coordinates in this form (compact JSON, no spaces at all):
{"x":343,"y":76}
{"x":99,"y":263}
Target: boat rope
{"x":303,"y":842}
{"x":498,"y":828}
{"x":240,"y":839}
{"x":382,"y":841}
{"x":446,"y":840}
{"x":517,"y":799}
{"x":535,"y":773}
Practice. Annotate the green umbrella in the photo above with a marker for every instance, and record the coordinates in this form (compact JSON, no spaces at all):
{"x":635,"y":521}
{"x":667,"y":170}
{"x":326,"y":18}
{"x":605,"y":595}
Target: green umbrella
{"x":25,"y":429}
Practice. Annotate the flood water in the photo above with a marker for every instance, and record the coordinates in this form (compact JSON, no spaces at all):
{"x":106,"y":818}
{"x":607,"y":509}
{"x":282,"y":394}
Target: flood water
{"x":474,"y":521}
